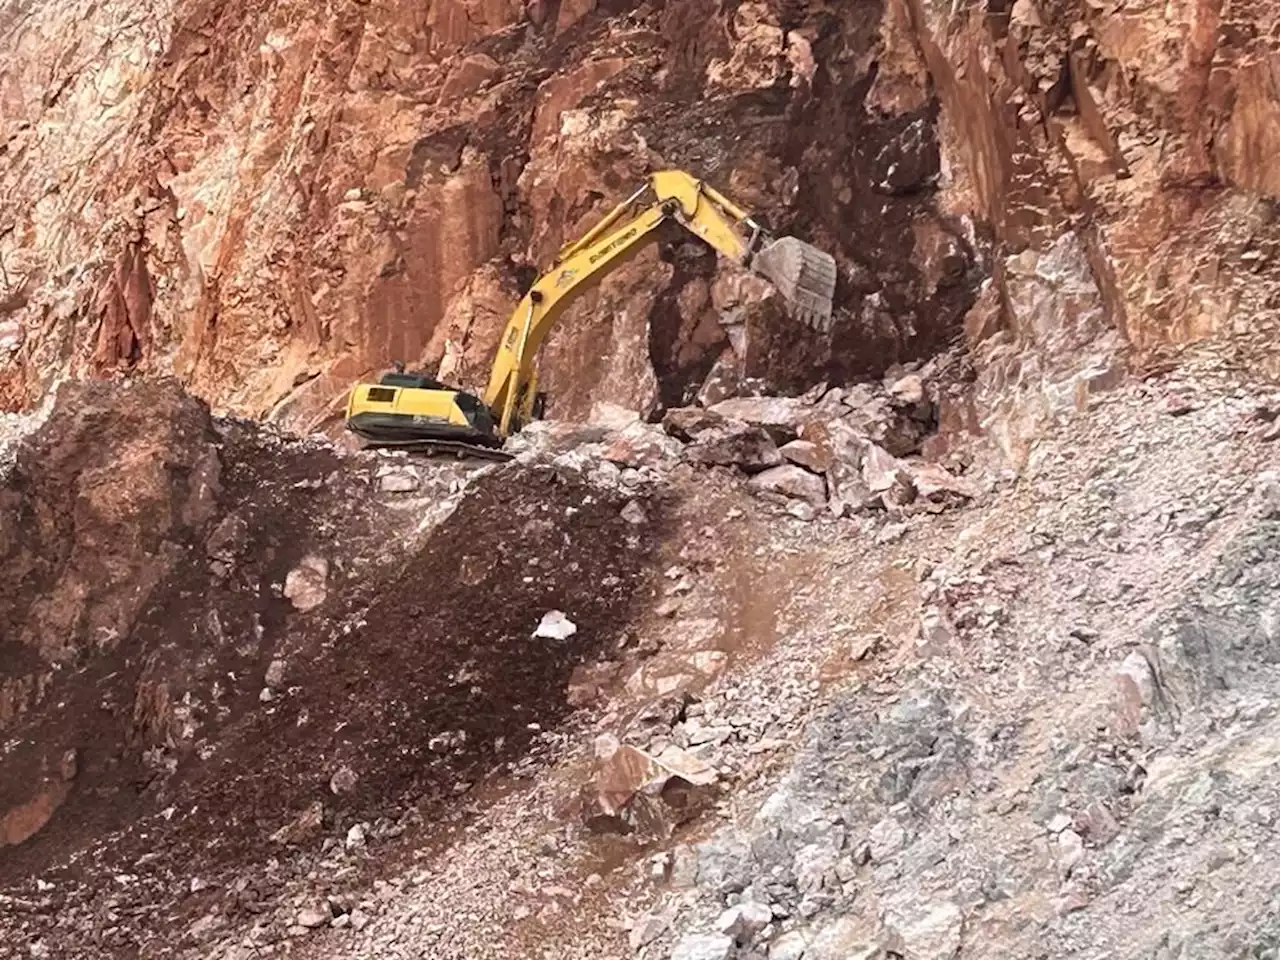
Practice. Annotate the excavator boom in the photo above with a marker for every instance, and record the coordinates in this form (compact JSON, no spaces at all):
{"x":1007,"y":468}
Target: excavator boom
{"x":804,"y":275}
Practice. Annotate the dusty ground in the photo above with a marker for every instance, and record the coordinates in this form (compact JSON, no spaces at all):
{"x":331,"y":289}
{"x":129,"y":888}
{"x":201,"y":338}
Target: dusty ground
{"x":1036,"y":724}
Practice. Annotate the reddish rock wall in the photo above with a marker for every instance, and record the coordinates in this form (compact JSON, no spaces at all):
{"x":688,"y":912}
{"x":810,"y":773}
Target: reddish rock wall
{"x":1113,"y":156}
{"x":269,"y":200}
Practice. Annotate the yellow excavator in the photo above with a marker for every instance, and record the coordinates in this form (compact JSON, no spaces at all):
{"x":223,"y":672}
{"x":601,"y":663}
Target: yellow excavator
{"x":415,"y":410}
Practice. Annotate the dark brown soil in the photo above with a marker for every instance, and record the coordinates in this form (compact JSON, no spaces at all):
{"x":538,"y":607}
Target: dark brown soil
{"x":419,"y":673}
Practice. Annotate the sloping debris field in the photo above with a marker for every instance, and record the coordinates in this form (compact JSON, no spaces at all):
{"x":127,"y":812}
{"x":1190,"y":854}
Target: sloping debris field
{"x":227,"y":722}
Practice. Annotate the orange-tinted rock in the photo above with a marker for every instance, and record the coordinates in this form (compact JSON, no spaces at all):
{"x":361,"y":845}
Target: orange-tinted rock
{"x":456,"y":22}
{"x":1150,"y":126}
{"x":571,"y":11}
{"x":468,"y":75}
{"x":566,"y":91}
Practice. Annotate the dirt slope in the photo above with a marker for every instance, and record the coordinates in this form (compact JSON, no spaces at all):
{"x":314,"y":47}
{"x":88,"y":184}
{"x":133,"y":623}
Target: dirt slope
{"x":170,"y":699}
{"x":1031,"y":721}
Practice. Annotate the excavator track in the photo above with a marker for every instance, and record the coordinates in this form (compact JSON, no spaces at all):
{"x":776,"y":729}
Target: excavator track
{"x":456,"y":447}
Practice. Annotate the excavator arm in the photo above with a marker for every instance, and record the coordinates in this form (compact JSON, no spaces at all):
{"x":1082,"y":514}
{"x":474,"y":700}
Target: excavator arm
{"x":804,"y":275}
{"x":413,"y":409}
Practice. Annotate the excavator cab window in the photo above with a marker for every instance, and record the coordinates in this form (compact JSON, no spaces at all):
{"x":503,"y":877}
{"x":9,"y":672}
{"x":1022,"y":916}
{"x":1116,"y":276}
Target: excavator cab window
{"x":412,"y":381}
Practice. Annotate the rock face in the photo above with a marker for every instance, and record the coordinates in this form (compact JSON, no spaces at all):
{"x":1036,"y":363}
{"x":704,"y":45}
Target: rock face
{"x":293,"y":198}
{"x":1113,"y":159}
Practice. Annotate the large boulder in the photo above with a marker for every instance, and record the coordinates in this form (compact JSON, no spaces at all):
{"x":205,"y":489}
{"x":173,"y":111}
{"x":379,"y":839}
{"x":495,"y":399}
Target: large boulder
{"x":793,"y":483}
{"x":715,"y":440}
{"x":781,"y":416}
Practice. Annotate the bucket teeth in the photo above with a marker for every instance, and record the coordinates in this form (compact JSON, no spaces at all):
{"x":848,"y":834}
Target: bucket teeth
{"x":804,"y":275}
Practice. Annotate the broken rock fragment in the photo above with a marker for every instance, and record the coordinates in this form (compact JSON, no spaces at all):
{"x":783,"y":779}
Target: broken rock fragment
{"x":647,"y":929}
{"x":934,"y":484}
{"x":642,"y":790}
{"x":908,"y":389}
{"x":641,"y":445}
{"x":555,"y":626}
{"x":343,"y":780}
{"x":807,"y":454}
{"x":400,"y":481}
{"x":782,"y":417}
{"x":275,"y":674}
{"x":691,"y":423}
{"x":703,"y":946}
{"x":792,"y":482}
{"x":304,"y":827}
{"x":305,"y":586}
{"x":716,"y":440}
{"x":228,"y":539}
{"x":313,"y":917}
{"x":744,"y":921}
{"x":789,"y":946}
{"x":929,"y":931}
{"x":738,"y":444}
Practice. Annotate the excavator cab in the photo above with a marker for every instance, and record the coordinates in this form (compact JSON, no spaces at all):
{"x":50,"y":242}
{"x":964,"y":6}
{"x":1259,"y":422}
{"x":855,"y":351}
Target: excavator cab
{"x":403,"y":408}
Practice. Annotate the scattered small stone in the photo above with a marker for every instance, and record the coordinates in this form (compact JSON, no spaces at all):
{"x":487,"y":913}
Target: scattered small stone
{"x":699,"y":946}
{"x":313,"y":917}
{"x":306,"y":584}
{"x":275,"y":674}
{"x":802,"y":511}
{"x":343,"y":781}
{"x":645,"y":930}
{"x":555,"y":626}
{"x":744,"y":921}
{"x":1070,"y":903}
{"x":669,"y":607}
{"x":887,"y":838}
{"x":355,"y":837}
{"x":1070,"y":849}
{"x":1059,"y":822}
{"x":891,"y":532}
{"x":908,"y":390}
{"x":633,"y":513}
{"x":928,"y":931}
{"x":864,"y":645}
{"x":937,"y":633}
{"x":400,"y":482}
{"x":789,"y":946}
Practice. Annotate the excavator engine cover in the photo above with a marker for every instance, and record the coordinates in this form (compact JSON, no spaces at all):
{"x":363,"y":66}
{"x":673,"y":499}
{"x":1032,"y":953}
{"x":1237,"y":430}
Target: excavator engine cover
{"x":804,"y":275}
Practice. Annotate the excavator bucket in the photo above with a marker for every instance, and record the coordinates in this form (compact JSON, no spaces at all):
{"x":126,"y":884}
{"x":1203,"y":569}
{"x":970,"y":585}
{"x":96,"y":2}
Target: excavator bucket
{"x":804,"y":275}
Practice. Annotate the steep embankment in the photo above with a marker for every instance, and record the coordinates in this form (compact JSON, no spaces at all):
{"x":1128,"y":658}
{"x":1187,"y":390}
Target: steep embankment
{"x":270,"y":200}
{"x":214,"y":637}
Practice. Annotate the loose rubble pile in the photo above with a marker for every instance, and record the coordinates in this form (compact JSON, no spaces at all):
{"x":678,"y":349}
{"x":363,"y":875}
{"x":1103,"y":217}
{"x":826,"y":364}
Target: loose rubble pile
{"x":845,"y":452}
